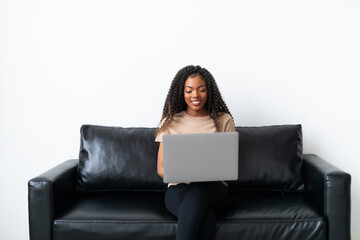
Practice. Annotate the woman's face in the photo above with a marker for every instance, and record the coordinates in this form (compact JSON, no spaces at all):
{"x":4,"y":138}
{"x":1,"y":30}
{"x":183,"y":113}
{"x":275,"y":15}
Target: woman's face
{"x":195,"y":95}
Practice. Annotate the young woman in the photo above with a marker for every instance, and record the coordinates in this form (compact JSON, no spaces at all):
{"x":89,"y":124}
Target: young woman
{"x":194,"y":105}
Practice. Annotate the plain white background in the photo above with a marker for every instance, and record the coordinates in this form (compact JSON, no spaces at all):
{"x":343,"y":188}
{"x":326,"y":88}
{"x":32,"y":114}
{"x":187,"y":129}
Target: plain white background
{"x":67,"y":63}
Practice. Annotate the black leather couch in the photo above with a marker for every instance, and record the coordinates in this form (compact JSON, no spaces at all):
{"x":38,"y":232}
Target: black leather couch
{"x":113,"y":191}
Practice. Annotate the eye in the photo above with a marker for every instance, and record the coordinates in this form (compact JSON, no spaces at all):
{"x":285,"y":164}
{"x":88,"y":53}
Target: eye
{"x":188,"y":91}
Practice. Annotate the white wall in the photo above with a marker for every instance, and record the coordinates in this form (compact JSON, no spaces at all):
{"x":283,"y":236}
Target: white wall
{"x":67,"y":63}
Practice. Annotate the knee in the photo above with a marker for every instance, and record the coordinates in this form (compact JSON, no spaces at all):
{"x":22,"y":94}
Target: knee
{"x":197,"y":186}
{"x":198,"y":191}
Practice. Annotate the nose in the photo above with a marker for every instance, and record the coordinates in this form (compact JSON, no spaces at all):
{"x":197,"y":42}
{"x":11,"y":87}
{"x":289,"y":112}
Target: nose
{"x":195,"y":94}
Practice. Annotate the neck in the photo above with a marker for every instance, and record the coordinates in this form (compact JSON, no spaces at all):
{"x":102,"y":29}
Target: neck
{"x":197,"y":113}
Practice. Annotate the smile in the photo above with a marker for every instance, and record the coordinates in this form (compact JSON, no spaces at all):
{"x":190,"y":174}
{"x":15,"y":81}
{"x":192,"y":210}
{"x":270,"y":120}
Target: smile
{"x":195,"y":103}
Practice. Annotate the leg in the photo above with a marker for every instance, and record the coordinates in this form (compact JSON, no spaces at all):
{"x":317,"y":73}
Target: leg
{"x":192,"y":211}
{"x":189,"y":204}
{"x":208,"y":227}
{"x":174,"y":196}
{"x":194,"y":205}
{"x":218,"y":196}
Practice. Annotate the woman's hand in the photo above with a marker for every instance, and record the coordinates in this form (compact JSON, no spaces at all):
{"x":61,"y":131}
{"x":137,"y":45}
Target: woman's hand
{"x":160,"y":167}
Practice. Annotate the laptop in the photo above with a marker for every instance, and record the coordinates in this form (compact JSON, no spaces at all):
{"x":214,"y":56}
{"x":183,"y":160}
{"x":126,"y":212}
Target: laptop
{"x":200,"y":157}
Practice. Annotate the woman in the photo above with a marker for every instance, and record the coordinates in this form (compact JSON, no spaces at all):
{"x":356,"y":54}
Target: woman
{"x":194,"y":105}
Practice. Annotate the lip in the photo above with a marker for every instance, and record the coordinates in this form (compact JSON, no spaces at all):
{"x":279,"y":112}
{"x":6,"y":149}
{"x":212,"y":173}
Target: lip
{"x":197,"y":102}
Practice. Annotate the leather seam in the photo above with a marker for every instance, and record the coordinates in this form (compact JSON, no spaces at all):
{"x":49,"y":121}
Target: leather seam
{"x":108,"y":221}
{"x":153,"y":222}
{"x":275,"y":220}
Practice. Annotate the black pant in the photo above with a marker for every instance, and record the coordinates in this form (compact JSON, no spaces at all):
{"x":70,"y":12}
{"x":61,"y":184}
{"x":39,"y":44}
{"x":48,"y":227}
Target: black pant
{"x":196,"y":205}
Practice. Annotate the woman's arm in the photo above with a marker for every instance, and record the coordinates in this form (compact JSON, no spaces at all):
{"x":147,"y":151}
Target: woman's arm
{"x":160,"y":168}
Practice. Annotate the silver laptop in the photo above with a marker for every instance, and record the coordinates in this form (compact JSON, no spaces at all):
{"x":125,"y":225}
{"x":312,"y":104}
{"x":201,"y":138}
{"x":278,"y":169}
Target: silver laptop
{"x":200,"y":157}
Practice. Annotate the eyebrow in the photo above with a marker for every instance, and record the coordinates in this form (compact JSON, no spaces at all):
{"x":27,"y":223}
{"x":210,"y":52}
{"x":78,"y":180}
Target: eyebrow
{"x":198,"y":87}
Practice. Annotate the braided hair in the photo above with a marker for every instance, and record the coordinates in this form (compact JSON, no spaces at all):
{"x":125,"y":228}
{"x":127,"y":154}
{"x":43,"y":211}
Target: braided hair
{"x":175,"y":101}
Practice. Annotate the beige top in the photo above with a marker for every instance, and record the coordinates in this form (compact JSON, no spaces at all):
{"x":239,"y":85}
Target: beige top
{"x":183,"y":123}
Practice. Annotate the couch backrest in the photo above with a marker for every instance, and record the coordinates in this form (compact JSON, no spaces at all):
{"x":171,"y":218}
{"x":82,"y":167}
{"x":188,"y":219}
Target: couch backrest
{"x":117,"y":158}
{"x":270,"y":158}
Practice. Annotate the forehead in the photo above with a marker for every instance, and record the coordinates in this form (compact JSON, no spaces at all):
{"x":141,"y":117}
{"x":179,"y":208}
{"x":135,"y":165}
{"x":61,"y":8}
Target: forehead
{"x":195,"y":81}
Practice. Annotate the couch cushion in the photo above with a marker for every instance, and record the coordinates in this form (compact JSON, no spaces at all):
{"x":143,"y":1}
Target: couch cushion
{"x":117,"y":158}
{"x":137,"y":215}
{"x":113,"y":158}
{"x":270,"y":158}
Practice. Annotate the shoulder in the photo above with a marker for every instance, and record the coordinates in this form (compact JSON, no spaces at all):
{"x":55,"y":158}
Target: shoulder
{"x":177,"y":118}
{"x":223,"y":116}
{"x":226,"y":122}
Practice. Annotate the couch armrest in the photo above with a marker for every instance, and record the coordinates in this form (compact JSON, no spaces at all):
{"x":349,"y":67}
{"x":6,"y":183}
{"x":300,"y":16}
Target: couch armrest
{"x":329,"y":188}
{"x":48,"y":194}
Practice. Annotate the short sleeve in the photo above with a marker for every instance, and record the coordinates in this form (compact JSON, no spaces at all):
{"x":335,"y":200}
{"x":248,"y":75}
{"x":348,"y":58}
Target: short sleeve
{"x":229,"y":124}
{"x":160,"y":134}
